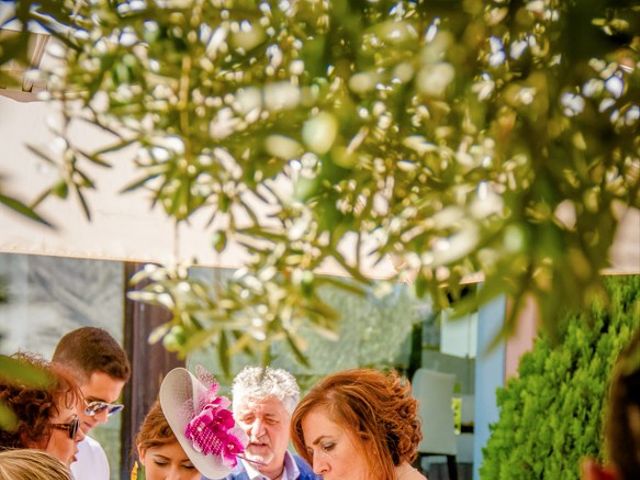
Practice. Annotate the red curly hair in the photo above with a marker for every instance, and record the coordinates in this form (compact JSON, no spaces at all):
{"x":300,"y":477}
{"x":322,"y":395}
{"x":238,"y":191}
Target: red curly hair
{"x":33,"y":405}
{"x":376,"y":407}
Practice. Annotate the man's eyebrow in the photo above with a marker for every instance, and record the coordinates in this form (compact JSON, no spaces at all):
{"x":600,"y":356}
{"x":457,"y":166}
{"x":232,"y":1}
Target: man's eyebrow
{"x":95,"y":399}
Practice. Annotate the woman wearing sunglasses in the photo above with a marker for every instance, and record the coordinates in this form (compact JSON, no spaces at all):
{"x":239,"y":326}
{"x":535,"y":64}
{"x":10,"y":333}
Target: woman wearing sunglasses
{"x":46,"y":410}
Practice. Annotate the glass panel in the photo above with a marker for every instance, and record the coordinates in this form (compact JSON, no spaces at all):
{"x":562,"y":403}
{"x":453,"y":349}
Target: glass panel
{"x":45,"y":297}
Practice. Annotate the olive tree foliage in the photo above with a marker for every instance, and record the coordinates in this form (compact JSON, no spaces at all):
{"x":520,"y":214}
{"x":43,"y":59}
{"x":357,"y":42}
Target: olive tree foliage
{"x":15,"y":204}
{"x":458,"y":137}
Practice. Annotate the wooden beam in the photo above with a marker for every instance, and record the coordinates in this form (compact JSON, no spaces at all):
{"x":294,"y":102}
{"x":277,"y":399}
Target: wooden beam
{"x":150,"y":363}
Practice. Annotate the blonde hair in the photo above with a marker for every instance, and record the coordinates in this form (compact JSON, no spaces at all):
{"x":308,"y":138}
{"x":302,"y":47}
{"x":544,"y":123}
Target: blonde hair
{"x":28,"y":464}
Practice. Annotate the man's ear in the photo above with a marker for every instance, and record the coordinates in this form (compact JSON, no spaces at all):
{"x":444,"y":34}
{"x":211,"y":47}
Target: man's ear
{"x":141,"y":453}
{"x":592,"y":470}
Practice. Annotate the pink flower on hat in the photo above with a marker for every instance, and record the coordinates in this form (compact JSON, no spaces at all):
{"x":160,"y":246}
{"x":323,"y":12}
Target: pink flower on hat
{"x":232,"y":448}
{"x":212,"y":430}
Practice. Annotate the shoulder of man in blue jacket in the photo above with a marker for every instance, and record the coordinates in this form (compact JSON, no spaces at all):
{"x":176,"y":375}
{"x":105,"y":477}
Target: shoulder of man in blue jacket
{"x":306,"y":472}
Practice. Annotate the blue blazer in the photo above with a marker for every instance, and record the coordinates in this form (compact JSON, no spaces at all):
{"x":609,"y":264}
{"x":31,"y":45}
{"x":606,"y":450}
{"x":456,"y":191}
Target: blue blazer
{"x":306,"y":473}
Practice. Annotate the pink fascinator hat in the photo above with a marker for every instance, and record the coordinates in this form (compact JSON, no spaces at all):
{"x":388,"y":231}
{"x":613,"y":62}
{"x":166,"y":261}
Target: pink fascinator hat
{"x":201,"y":421}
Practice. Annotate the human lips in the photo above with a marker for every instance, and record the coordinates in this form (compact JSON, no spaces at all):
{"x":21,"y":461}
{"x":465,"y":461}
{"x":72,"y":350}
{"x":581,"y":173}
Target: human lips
{"x":258,"y":444}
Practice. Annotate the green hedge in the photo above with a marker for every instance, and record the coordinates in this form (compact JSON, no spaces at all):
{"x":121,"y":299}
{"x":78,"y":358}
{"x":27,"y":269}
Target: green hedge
{"x":551,"y":414}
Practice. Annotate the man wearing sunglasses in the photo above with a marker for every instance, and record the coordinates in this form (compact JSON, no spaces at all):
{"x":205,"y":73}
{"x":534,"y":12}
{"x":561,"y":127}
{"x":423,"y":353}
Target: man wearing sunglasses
{"x":101,"y":368}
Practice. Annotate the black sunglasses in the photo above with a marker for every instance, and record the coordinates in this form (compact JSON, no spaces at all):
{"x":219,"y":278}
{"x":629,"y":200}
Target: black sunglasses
{"x":71,"y":427}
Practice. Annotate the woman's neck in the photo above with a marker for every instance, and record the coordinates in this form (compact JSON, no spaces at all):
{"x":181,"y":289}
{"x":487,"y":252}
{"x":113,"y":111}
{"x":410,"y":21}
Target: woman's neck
{"x":403,"y":471}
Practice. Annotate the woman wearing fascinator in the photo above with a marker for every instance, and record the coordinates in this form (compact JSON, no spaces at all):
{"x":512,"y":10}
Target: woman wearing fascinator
{"x":189,"y":432}
{"x":161,"y":456}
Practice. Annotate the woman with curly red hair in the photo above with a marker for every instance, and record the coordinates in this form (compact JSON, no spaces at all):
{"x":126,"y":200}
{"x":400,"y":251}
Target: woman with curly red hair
{"x":45,"y":412}
{"x":359,"y":424}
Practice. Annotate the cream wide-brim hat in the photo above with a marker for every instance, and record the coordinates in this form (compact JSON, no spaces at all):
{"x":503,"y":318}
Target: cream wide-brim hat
{"x":179,"y":394}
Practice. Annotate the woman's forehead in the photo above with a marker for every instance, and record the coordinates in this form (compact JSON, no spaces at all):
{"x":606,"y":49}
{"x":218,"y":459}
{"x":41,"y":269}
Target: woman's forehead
{"x":171,"y":450}
{"x":63,"y":411}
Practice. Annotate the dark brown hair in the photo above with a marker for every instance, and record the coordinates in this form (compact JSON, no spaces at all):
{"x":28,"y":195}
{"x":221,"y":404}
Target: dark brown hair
{"x":377,"y":408}
{"x":155,"y":430}
{"x":89,"y":349}
{"x":34,"y":406}
{"x":622,"y":431}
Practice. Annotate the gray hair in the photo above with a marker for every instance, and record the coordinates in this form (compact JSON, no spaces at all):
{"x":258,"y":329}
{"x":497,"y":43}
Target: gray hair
{"x":257,"y":383}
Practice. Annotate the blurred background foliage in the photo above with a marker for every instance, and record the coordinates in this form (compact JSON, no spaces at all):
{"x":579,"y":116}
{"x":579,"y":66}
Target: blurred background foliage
{"x":363,"y":336}
{"x":19,"y":206}
{"x":454,"y":136}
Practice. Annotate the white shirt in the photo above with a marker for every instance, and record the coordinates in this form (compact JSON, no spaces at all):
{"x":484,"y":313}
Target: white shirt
{"x":290,"y":471}
{"x":91,"y":463}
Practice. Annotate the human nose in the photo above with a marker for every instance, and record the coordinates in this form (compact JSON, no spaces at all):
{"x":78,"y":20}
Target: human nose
{"x":79,"y":435}
{"x":257,"y":429}
{"x":173,"y":474}
{"x":320,"y":465}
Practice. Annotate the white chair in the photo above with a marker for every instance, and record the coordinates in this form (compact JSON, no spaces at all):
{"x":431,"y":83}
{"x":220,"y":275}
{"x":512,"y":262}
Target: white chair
{"x":465,"y":439}
{"x":434,"y":391}
{"x":468,"y":409}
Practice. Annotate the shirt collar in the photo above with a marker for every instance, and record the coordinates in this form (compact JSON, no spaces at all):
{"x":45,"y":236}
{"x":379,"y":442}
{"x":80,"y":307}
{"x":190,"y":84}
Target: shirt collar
{"x":291,"y":471}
